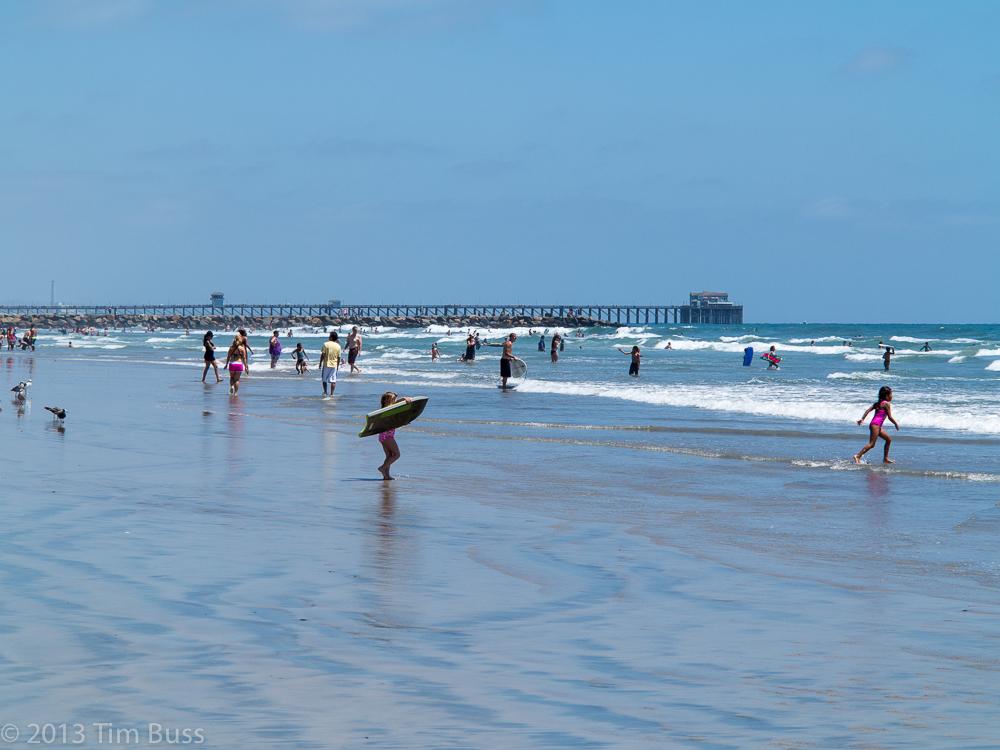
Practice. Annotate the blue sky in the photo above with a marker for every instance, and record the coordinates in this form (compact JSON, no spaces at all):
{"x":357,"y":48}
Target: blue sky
{"x":821,"y":161}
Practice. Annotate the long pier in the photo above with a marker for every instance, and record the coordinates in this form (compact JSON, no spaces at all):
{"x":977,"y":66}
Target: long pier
{"x":611,"y":314}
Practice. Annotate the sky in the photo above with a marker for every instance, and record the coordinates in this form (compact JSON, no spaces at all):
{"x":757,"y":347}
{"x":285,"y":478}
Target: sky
{"x":821,"y":161}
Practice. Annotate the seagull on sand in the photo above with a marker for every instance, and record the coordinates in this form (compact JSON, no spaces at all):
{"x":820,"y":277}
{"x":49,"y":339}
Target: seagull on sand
{"x":58,"y":411}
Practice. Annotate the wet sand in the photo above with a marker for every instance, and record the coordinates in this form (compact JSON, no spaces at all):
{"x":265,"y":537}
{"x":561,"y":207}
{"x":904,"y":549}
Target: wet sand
{"x":235,"y":566}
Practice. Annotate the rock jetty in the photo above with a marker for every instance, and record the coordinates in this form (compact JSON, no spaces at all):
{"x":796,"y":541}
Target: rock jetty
{"x":221,"y":322}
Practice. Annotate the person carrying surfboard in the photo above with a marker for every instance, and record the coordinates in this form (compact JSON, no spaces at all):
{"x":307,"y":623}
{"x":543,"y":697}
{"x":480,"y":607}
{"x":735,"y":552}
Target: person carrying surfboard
{"x":506,"y":358}
{"x":387,"y":439}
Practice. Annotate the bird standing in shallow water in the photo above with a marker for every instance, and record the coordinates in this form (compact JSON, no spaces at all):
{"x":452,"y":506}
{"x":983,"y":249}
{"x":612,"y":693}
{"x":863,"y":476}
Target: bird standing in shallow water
{"x":57,"y":411}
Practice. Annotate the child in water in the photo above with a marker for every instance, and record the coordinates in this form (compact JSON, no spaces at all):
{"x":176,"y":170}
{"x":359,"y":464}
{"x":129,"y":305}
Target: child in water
{"x":633,"y":368}
{"x":435,"y":352}
{"x":883,"y":411}
{"x":300,"y":359}
{"x":388,"y":438}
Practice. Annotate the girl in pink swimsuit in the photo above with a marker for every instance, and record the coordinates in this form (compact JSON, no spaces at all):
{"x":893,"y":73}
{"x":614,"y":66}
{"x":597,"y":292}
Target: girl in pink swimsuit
{"x":883,"y":412}
{"x":236,"y":363}
{"x":387,"y":439}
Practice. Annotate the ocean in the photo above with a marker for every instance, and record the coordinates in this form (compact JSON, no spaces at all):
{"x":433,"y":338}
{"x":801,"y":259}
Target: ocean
{"x":690,"y":558}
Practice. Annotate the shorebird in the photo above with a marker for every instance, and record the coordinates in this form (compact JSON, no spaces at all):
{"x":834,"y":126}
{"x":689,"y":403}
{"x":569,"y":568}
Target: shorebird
{"x":21,"y":389}
{"x":58,"y":411}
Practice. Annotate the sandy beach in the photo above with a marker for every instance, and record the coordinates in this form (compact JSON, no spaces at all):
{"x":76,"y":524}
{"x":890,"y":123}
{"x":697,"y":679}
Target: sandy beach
{"x":178,"y":558}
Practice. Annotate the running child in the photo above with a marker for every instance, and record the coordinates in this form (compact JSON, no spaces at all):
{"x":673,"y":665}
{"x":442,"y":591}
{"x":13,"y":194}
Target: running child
{"x":883,"y":411}
{"x":388,"y":438}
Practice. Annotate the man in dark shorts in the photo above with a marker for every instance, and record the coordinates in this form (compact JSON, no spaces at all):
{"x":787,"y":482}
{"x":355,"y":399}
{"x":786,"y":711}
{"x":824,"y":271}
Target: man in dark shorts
{"x":506,"y":358}
{"x":353,"y":348}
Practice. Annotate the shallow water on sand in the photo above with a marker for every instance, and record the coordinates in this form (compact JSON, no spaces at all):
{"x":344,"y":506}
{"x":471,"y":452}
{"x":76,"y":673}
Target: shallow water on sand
{"x":545,"y":572}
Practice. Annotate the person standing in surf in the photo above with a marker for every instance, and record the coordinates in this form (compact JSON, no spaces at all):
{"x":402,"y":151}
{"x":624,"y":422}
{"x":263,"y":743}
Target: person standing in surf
{"x":435,"y":352}
{"x":506,"y":358}
{"x":353,"y":348}
{"x":887,"y":357}
{"x":541,"y":343}
{"x":387,"y":439}
{"x":209,"y":357}
{"x":236,"y":363}
{"x":883,"y":412}
{"x":274,"y":349}
{"x":554,"y":350}
{"x":470,"y":349}
{"x":246,"y":349}
{"x":329,"y":361}
{"x":633,"y":368}
{"x":301,"y":360}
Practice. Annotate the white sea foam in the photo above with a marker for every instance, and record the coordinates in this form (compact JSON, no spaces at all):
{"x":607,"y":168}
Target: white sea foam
{"x":626,"y":332}
{"x":994,"y":365}
{"x":988,"y":353}
{"x":859,"y":376}
{"x":910,"y":339}
{"x":737,"y":347}
{"x":956,"y":360}
{"x":818,"y":340}
{"x":820,"y":405}
{"x":400,"y":355}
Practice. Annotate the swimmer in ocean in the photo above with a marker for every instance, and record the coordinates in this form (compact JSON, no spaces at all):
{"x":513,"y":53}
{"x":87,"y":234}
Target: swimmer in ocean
{"x":883,"y":412}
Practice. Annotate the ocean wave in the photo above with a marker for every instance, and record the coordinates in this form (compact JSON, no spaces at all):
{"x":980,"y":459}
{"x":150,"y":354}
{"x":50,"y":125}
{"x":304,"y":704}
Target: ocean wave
{"x":626,"y":332}
{"x":868,"y":375}
{"x":911,"y":339}
{"x":820,"y":339}
{"x":399,"y":355}
{"x":995,"y":365}
{"x":734,"y":347}
{"x":956,"y":360}
{"x":783,"y":403}
{"x":988,"y":353}
{"x":900,"y":353}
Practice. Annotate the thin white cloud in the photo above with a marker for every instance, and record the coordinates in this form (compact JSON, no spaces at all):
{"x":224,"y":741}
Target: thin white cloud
{"x":92,"y":13}
{"x":377,"y":14}
{"x":876,"y":61}
{"x":831,"y":208}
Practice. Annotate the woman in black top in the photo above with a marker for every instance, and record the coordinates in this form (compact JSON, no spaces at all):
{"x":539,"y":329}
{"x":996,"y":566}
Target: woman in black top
{"x":210,"y":358}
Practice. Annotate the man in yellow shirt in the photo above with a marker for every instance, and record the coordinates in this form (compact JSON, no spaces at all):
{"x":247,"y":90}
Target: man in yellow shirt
{"x":329,"y":361}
